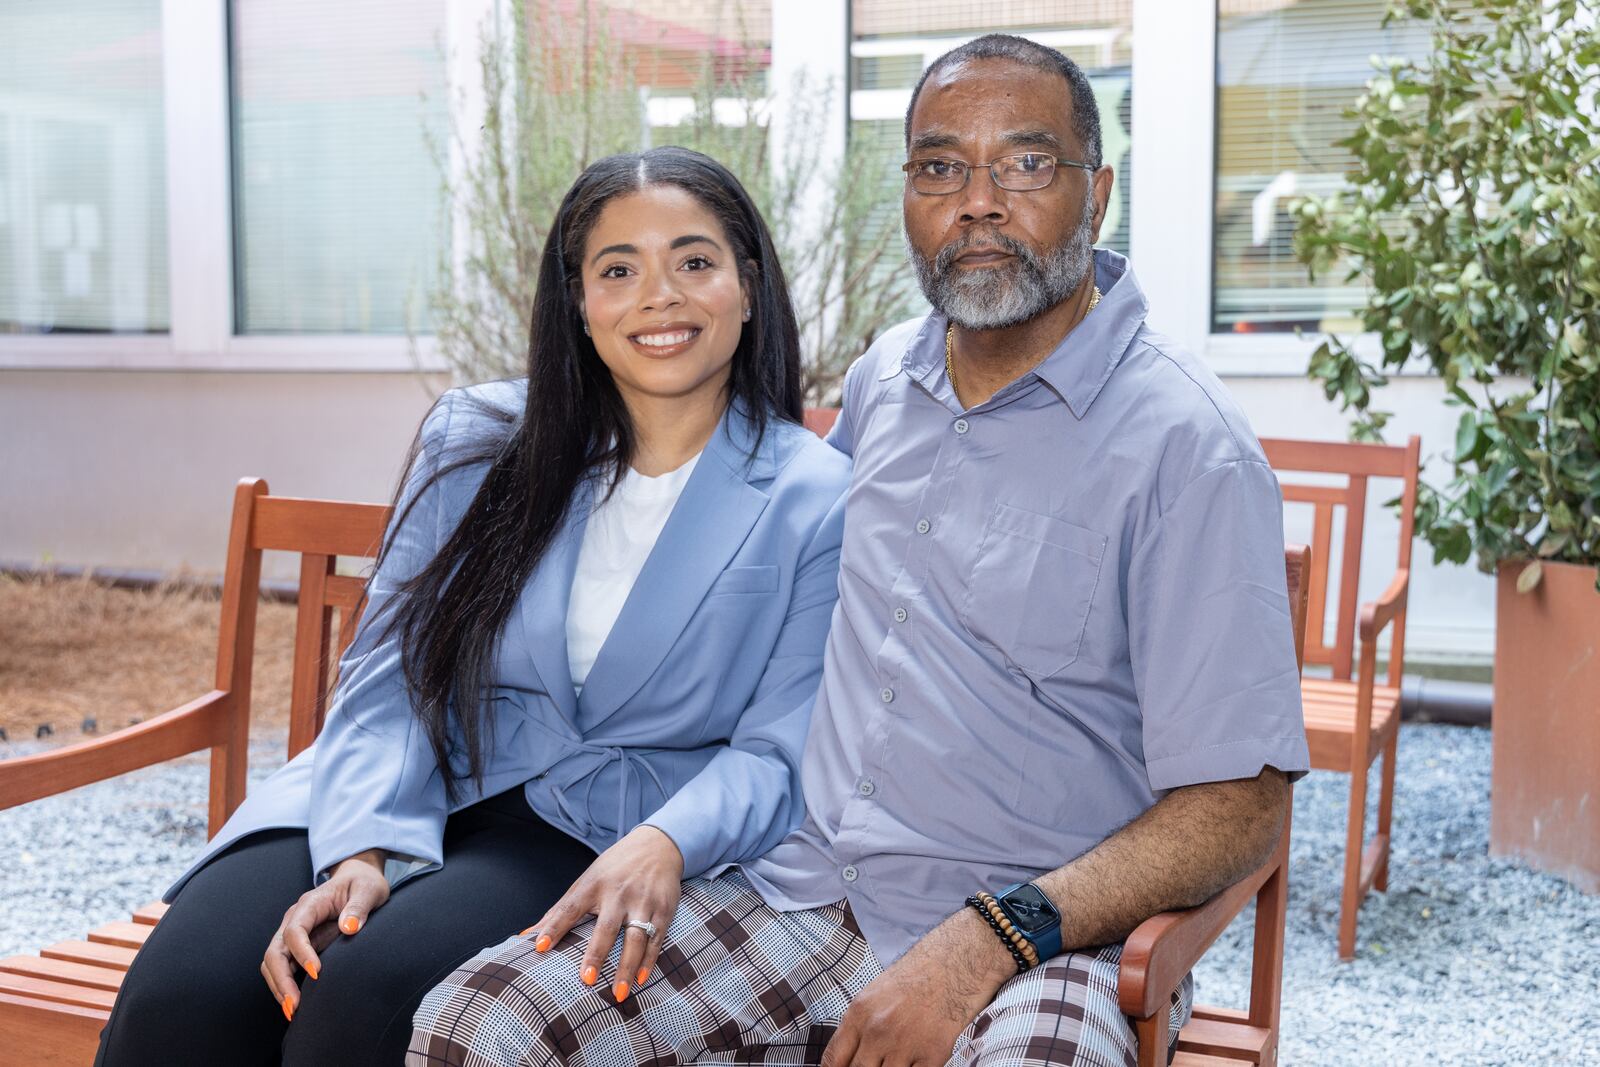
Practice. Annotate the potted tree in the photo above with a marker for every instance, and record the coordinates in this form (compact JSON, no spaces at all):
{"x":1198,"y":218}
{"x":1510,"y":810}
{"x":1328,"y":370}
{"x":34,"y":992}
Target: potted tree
{"x":1470,"y":213}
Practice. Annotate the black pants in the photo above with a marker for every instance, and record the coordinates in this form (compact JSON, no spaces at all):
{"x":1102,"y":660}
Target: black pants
{"x":195,"y":994}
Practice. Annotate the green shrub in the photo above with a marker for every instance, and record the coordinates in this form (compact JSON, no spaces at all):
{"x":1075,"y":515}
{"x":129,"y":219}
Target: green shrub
{"x":1472,"y":214}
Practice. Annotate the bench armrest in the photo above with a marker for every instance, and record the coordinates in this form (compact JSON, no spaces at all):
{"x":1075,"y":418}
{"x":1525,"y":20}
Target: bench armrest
{"x":1381,"y":612}
{"x":196,"y":725}
{"x":1166,"y":947}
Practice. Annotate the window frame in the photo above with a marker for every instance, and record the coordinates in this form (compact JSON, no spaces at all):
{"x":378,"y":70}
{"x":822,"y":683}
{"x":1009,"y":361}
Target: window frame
{"x":196,"y":96}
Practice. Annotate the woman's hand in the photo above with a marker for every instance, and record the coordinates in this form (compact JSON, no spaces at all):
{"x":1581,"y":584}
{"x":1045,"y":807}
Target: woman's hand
{"x":637,"y":879}
{"x":355,"y":890}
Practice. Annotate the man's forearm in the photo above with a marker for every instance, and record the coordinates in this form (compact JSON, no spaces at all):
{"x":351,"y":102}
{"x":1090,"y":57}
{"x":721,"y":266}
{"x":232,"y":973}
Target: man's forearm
{"x":1190,"y":845}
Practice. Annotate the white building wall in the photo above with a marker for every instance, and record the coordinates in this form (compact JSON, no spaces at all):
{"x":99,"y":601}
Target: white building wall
{"x":135,"y":470}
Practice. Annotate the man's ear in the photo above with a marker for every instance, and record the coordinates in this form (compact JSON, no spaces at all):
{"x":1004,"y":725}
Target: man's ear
{"x":1103,"y":180}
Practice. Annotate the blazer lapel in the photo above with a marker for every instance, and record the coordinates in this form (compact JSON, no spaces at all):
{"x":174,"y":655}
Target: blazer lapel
{"x":543,"y":606}
{"x":707,"y":525}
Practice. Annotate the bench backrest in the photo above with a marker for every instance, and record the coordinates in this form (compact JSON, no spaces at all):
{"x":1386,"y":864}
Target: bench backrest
{"x":322,"y":532}
{"x":1356,"y":464}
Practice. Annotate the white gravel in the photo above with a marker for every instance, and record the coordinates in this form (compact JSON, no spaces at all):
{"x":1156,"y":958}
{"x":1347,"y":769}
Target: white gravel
{"x":1466,"y":960}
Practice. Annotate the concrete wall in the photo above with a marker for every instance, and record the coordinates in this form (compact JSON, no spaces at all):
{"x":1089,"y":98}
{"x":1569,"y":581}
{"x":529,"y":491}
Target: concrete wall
{"x":135,"y":469}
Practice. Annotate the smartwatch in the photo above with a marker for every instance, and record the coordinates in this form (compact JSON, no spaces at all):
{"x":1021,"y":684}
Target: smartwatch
{"x":1035,"y":918}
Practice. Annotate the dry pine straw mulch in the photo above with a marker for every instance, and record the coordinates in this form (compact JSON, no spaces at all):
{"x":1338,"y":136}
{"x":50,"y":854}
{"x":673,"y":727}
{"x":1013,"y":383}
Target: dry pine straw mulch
{"x":72,"y":650}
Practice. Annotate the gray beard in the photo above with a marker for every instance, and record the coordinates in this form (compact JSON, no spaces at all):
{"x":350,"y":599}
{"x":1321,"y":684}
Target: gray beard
{"x":998,"y":297}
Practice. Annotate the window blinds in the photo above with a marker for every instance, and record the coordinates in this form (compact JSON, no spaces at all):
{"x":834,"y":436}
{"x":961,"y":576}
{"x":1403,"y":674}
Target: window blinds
{"x":338,"y":213}
{"x":83,"y":197}
{"x":1286,"y":71}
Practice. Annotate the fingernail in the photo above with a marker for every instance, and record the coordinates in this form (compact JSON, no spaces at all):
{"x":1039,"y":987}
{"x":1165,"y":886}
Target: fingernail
{"x":591,"y":975}
{"x":288,"y":1009}
{"x":526,"y":932}
{"x":311,"y":969}
{"x":620,"y":991}
{"x":542,"y":944}
{"x":349,"y":924}
{"x":644,"y":972}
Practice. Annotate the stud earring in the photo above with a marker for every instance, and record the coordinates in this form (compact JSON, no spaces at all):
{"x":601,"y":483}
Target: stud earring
{"x":746,"y":314}
{"x":586,"y":329}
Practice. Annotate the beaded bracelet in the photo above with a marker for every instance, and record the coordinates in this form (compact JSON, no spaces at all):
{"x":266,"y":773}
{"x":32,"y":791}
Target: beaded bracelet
{"x":982,"y":909}
{"x":1026,"y":947}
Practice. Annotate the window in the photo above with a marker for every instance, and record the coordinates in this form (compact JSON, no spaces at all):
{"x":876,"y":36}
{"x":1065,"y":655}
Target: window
{"x":338,"y":208}
{"x":83,"y":194}
{"x":1286,"y":72}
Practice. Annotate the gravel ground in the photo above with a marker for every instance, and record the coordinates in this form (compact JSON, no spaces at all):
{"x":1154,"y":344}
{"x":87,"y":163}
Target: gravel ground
{"x":1466,"y":960}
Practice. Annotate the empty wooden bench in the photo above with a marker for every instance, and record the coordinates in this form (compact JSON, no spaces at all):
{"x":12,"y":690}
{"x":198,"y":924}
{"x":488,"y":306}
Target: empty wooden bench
{"x":1353,"y":716}
{"x":54,"y":1005}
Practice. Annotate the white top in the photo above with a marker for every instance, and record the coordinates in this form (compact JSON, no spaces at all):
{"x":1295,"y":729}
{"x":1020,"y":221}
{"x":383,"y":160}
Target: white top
{"x":618,"y":539}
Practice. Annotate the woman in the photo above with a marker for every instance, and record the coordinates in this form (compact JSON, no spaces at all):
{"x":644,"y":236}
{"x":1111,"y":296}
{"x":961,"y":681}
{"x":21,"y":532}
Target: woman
{"x":596,"y":626}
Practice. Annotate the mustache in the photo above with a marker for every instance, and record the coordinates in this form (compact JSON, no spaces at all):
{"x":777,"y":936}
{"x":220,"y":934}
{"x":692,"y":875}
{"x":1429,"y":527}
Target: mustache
{"x":982,"y":239}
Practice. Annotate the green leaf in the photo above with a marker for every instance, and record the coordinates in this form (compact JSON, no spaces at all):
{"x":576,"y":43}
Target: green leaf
{"x":1466,"y":437}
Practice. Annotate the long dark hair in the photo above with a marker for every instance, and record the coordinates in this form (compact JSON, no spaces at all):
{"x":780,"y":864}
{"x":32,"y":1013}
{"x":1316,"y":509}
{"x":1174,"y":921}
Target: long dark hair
{"x":574,"y":427}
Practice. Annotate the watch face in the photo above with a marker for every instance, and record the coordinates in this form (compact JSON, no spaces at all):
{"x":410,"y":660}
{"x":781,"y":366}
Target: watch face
{"x":1030,"y":909}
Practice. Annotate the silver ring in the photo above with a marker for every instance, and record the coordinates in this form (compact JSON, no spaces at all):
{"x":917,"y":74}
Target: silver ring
{"x":649,"y":928}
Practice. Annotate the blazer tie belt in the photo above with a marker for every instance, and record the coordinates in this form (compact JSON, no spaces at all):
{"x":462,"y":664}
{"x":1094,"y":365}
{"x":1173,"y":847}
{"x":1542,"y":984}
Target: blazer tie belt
{"x":574,"y":767}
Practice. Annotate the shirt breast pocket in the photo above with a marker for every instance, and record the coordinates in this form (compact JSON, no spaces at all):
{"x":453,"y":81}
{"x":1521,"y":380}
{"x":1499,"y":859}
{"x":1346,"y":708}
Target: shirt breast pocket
{"x":1031,"y":588}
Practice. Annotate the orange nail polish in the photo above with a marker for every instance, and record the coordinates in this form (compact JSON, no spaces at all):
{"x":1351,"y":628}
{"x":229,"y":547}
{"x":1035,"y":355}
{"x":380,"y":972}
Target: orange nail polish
{"x":590,"y":975}
{"x":349,"y":924}
{"x":311,"y":969}
{"x":288,"y":1009}
{"x":620,"y":991}
{"x":526,"y":932}
{"x":543,"y":944}
{"x":644,"y":973}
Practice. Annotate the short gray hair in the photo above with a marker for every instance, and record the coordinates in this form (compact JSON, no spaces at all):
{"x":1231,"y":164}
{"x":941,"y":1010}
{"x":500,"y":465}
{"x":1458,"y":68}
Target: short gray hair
{"x":1085,"y":110}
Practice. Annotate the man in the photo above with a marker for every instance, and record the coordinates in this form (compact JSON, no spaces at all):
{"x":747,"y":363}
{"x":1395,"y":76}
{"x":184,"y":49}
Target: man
{"x":1061,"y":661}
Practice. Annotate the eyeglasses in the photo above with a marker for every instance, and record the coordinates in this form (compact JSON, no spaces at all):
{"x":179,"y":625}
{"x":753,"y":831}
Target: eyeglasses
{"x":1020,"y":173}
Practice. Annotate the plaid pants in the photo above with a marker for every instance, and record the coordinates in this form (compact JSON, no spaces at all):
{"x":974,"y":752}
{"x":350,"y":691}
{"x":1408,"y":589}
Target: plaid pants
{"x":740,"y":982}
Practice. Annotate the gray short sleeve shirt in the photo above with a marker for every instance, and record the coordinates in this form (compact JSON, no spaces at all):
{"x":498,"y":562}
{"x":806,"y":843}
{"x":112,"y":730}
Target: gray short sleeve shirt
{"x":1053,"y":607}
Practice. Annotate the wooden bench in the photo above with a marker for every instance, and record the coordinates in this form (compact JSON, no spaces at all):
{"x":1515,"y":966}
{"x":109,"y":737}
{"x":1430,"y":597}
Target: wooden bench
{"x":55,"y":1004}
{"x":1350,"y":718}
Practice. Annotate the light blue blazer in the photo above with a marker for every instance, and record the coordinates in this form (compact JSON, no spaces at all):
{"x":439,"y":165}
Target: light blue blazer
{"x":693,"y":717}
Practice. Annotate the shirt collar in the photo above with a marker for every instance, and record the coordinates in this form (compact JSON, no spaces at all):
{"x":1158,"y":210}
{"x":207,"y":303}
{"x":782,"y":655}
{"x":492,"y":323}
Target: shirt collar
{"x":1083,"y":362}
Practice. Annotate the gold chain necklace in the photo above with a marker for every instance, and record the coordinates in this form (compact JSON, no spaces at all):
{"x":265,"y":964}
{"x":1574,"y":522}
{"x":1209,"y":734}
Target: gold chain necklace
{"x":950,"y":339}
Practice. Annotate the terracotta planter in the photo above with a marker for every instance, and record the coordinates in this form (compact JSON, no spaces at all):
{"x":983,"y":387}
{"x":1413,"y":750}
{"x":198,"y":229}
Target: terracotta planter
{"x":1545,"y":795}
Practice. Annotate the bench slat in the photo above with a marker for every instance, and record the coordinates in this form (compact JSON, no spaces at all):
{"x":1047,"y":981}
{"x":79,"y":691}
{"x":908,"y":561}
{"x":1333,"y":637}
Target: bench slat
{"x":1196,"y":1059}
{"x":1210,"y":1037}
{"x":151,"y":913}
{"x":22,"y":985}
{"x":128,"y":935}
{"x":62,"y":971}
{"x":55,"y":1035}
{"x":94,"y":954}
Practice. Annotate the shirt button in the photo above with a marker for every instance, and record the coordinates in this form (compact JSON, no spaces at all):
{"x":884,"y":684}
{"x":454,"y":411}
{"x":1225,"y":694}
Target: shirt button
{"x":961,"y":426}
{"x":901,"y":614}
{"x":923,"y":526}
{"x":866,"y":787}
{"x":887,"y":695}
{"x":850,"y":873}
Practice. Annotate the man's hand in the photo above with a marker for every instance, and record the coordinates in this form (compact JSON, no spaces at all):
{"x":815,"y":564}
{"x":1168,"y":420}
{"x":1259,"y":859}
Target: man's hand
{"x":911,"y":1015}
